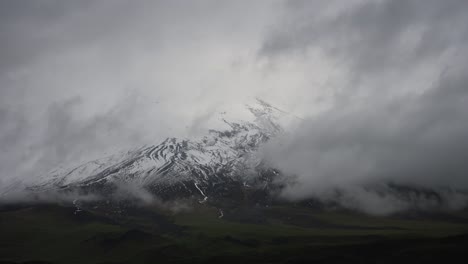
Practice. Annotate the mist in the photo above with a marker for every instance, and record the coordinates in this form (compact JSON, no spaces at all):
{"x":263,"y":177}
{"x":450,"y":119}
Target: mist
{"x":381,"y":86}
{"x":80,"y":81}
{"x":402,"y":117}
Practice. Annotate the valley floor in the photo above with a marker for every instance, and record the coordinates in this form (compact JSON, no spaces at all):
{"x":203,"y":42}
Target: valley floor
{"x":280,"y":234}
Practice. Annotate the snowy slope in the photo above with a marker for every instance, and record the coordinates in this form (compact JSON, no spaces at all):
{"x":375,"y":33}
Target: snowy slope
{"x":178,"y":165}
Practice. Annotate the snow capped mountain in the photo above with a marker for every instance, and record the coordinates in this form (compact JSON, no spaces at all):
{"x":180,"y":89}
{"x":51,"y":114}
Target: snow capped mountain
{"x":222,"y":169}
{"x":203,"y":166}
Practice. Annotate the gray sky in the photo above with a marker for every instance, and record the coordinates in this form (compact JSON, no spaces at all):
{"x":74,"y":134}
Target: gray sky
{"x":81,"y":79}
{"x":400,"y":116}
{"x":382,"y":84}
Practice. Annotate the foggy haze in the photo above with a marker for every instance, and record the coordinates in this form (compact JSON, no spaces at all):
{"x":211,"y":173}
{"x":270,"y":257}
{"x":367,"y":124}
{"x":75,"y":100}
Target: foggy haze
{"x":381,"y":85}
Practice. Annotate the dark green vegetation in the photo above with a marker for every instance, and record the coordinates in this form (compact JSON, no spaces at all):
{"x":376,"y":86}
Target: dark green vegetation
{"x":281,"y":234}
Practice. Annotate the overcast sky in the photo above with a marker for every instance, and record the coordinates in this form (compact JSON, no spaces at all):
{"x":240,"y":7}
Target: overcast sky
{"x":382,"y":84}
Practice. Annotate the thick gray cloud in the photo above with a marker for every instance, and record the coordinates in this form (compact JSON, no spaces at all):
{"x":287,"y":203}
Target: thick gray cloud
{"x":419,"y":139}
{"x":372,"y":35}
{"x":381,"y":84}
{"x":79,"y":80}
{"x":401,"y":118}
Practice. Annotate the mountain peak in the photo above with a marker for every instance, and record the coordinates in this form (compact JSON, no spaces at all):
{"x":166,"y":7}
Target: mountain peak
{"x":182,"y":166}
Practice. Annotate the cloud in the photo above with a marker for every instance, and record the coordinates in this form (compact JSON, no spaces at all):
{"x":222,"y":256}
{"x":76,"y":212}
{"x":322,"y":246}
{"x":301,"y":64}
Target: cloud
{"x":63,"y":137}
{"x":402,"y":118}
{"x":420,"y":137}
{"x":381,"y":84}
{"x":371,"y":35}
{"x":79,"y":79}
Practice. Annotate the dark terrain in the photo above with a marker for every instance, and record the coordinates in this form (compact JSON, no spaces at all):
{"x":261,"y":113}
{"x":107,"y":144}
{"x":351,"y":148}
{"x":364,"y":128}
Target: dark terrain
{"x":273,"y":234}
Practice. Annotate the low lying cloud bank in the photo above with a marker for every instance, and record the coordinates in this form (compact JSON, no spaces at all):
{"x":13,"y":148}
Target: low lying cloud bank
{"x":120,"y":196}
{"x":419,"y":140}
{"x":403,"y":116}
